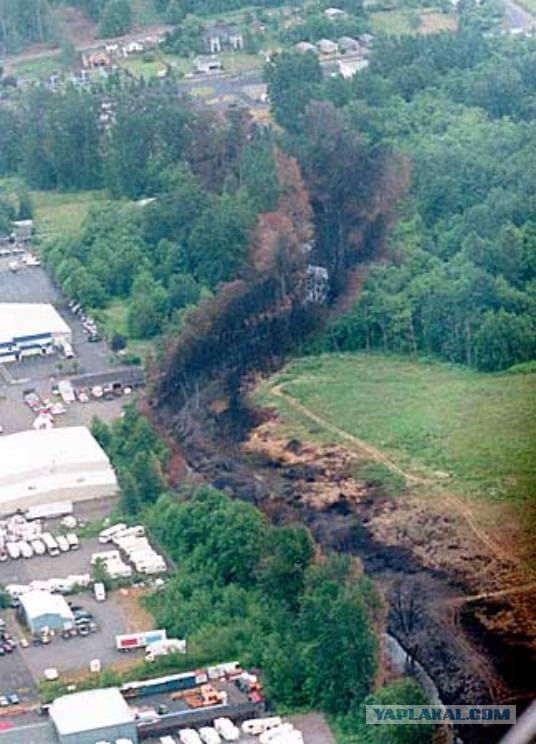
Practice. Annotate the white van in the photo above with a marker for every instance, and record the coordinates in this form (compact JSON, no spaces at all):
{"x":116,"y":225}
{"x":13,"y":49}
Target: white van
{"x":226,"y":729}
{"x":100,"y":591}
{"x":74,"y":542}
{"x":63,"y":543}
{"x":50,"y":544}
{"x":38,"y":547}
{"x":209,"y":735}
{"x":25,"y":549}
{"x":189,"y":736}
{"x":13,"y":550}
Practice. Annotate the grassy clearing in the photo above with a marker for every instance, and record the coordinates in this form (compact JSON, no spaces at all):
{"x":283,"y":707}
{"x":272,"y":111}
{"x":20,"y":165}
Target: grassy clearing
{"x":481,"y":429}
{"x":59,"y":213}
{"x":139,"y":67}
{"x":114,"y":319}
{"x":399,"y":22}
{"x":40,"y":67}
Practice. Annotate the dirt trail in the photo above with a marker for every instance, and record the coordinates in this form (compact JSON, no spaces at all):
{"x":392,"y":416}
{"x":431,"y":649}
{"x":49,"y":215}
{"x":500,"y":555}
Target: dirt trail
{"x":410,"y":479}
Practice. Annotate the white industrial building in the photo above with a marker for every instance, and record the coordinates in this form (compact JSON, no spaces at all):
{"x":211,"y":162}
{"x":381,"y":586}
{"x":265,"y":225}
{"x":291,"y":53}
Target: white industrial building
{"x":29,"y":329}
{"x":41,"y":611}
{"x":93,"y":716}
{"x":39,"y":466}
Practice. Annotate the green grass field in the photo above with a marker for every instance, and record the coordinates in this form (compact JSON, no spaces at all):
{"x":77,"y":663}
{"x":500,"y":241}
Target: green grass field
{"x":399,"y":22}
{"x":479,"y":428}
{"x":57,"y":213}
{"x":114,"y":319}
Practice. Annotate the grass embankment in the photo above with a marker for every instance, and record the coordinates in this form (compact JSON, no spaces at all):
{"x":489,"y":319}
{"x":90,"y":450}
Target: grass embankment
{"x":427,"y":417}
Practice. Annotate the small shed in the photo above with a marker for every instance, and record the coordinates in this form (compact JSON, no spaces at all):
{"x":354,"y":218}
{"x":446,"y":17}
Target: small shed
{"x":93,"y":716}
{"x":42,"y":610}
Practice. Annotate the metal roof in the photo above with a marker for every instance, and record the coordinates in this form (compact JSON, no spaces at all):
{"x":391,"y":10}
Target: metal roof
{"x":90,"y":711}
{"x":39,"y":602}
{"x":29,"y":319}
{"x":63,"y":458}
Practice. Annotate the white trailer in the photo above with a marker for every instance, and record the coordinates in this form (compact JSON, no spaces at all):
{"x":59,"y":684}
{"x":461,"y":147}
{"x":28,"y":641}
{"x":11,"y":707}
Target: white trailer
{"x":189,"y":736}
{"x":63,"y":543}
{"x":66,"y":391}
{"x":256,"y":726}
{"x":72,"y":539}
{"x":106,"y":535}
{"x":50,"y":511}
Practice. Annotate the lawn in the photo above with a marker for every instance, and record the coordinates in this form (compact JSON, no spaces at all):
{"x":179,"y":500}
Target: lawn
{"x":397,"y":22}
{"x":479,"y":428}
{"x":38,"y":68}
{"x":57,"y":213}
{"x":114,"y":319}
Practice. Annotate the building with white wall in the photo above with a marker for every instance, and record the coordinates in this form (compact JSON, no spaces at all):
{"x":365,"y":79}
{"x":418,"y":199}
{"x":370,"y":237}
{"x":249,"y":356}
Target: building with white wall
{"x":40,"y":466}
{"x":93,"y":716}
{"x":30,"y":329}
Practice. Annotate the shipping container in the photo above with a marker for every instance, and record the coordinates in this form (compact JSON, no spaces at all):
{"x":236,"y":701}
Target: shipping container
{"x":171,"y":683}
{"x":129,"y":641}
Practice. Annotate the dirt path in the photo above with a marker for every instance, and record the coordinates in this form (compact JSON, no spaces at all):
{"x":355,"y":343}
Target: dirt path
{"x":463,"y":509}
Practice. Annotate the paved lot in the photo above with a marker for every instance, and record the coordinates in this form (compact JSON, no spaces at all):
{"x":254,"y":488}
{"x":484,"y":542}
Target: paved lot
{"x":112,"y":617}
{"x":34,"y":285}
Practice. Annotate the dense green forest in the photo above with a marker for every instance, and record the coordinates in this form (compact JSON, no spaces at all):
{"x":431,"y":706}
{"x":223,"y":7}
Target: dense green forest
{"x":244,"y":589}
{"x":212,"y":176}
{"x":458,"y":278}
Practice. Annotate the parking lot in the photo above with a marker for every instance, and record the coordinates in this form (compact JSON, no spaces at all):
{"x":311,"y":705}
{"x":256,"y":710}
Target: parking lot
{"x":33,"y":284}
{"x":120,"y":613}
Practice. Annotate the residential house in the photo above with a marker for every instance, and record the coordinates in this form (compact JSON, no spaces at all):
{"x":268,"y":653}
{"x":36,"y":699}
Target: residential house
{"x":133,"y":47}
{"x":97,"y":59}
{"x":218,"y":38}
{"x":206,"y":63}
{"x":347,"y":45}
{"x":326,"y":46}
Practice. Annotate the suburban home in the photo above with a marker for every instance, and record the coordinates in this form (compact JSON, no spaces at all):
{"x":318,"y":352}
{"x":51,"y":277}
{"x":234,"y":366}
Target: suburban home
{"x":304,"y":46}
{"x":206,"y":63}
{"x":326,"y":46}
{"x":334,"y":13}
{"x":348,"y":45}
{"x":219,"y":38}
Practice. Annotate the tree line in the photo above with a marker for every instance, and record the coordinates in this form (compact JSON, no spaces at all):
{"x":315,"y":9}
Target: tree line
{"x":459,"y":279}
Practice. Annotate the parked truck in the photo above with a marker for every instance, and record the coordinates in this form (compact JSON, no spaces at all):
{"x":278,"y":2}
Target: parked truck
{"x":130,"y":641}
{"x":165,"y":647}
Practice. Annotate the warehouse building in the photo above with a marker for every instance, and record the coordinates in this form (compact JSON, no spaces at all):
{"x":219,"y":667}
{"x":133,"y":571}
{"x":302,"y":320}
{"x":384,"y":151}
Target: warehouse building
{"x":66,"y":463}
{"x":30,"y":329}
{"x":42,"y":611}
{"x":93,"y":716}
